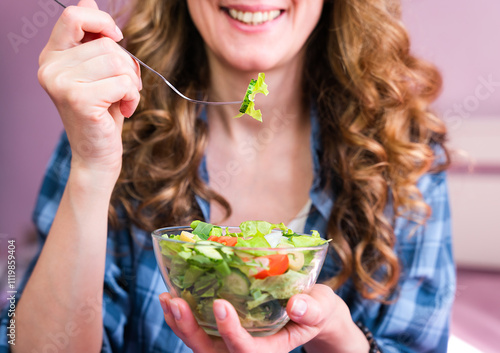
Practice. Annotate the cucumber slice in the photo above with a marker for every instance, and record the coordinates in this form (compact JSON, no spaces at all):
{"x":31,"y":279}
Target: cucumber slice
{"x":246,"y":100}
{"x":208,"y":251}
{"x":236,"y":283}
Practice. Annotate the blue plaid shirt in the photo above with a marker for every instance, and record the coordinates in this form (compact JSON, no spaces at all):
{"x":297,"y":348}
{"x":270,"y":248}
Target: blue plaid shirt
{"x":418,"y":321}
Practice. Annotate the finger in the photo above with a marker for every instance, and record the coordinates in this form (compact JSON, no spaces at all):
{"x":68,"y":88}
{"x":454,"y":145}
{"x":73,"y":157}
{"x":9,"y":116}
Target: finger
{"x":117,"y":115}
{"x":102,"y":46}
{"x":106,"y":45}
{"x":237,"y":339}
{"x":313,"y":308}
{"x":105,"y":66}
{"x":308,"y":313}
{"x":128,"y":107}
{"x":182,"y":321}
{"x":75,"y":21}
{"x":104,"y":94}
{"x":93,"y":5}
{"x":167,"y":313}
{"x":127,"y":95}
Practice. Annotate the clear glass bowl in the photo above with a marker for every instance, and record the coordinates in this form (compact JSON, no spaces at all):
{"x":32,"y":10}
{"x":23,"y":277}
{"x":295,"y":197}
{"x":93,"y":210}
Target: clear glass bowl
{"x":201,"y":273}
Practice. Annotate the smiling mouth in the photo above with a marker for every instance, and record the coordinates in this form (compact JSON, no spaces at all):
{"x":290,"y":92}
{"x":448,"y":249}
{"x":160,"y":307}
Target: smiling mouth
{"x":252,"y":18}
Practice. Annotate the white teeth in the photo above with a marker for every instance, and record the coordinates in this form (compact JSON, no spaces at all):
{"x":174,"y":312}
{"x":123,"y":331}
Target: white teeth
{"x":257,"y":18}
{"x":247,"y":17}
{"x":254,"y":18}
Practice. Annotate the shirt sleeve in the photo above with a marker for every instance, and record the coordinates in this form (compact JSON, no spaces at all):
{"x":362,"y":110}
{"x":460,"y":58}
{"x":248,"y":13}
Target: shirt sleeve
{"x":118,"y":281}
{"x":419,"y":318}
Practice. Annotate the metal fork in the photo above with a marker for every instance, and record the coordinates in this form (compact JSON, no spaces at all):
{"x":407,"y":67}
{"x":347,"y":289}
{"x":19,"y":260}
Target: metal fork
{"x":166,"y":81}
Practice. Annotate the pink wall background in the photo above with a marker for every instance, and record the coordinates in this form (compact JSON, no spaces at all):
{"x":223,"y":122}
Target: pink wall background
{"x":460,"y":36}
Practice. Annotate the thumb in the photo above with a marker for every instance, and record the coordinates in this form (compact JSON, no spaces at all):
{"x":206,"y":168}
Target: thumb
{"x":88,"y":3}
{"x":91,"y":4}
{"x":314,"y":308}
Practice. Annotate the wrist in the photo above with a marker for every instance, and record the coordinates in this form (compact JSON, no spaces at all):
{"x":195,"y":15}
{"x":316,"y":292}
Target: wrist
{"x":369,"y":337}
{"x":93,"y":181}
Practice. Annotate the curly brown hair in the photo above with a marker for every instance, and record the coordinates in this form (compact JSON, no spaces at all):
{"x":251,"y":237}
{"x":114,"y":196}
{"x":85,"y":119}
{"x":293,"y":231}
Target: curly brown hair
{"x":377,"y":131}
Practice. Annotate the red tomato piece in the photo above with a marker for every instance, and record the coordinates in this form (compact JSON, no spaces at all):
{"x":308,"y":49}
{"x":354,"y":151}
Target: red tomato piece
{"x":273,"y":265}
{"x":229,"y":241}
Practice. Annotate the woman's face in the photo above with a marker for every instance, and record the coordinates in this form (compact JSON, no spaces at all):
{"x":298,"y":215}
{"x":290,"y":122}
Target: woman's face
{"x":255,"y":35}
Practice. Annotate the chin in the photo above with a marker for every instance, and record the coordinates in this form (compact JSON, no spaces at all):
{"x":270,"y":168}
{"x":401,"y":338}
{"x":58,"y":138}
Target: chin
{"x":253,"y":67}
{"x":255,"y":62}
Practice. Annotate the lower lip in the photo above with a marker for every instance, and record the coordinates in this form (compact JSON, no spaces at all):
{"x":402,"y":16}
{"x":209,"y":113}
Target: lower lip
{"x":253,"y":28}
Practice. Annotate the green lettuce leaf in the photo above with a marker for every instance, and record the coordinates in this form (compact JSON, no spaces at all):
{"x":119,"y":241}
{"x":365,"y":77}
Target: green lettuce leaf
{"x":202,"y":229}
{"x":248,"y":105}
{"x":307,"y":240}
{"x":259,"y":228}
{"x":191,"y":275}
{"x":282,"y":286}
{"x":255,"y":242}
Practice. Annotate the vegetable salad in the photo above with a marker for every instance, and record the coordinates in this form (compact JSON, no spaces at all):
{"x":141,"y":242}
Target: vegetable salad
{"x":256,"y":267}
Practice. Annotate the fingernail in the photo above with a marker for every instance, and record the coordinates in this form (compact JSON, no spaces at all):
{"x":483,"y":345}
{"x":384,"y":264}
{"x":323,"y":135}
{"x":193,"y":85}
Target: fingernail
{"x":119,"y":32}
{"x":164,"y":306}
{"x":220,"y":311}
{"x":299,"y":307}
{"x":175,"y":310}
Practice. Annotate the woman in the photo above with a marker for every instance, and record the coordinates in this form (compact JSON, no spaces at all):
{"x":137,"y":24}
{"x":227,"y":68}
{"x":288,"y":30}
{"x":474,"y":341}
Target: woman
{"x":347,"y":136}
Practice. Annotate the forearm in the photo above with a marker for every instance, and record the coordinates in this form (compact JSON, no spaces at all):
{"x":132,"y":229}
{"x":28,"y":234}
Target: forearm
{"x":61,"y":304}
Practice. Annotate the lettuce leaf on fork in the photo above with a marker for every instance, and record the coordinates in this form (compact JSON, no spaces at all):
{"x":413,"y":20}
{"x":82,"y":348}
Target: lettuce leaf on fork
{"x":248,"y":105}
